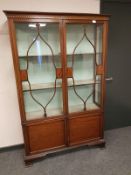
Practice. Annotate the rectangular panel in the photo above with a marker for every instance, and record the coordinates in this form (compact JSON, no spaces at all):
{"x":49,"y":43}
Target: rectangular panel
{"x":47,"y":135}
{"x":23,"y":75}
{"x":69,"y":72}
{"x":84,"y":128}
{"x":39,"y":57}
{"x":59,"y":72}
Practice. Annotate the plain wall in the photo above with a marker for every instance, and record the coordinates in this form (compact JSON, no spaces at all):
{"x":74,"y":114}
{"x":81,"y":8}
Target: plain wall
{"x":10,"y":127}
{"x":118,"y":92}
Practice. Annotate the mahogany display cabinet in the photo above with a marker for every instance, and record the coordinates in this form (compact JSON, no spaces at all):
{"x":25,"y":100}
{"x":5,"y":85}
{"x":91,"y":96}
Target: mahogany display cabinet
{"x":59,"y":62}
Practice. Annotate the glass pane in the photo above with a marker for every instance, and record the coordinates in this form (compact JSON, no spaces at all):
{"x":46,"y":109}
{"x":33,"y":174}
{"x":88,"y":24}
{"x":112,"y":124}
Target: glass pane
{"x":99,"y":32}
{"x":39,"y":55}
{"x":98,"y":90}
{"x":33,"y":110}
{"x":75,"y":104}
{"x":83,"y":53}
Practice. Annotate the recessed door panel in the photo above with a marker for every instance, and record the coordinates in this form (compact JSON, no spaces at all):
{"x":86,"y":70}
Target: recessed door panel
{"x":46,"y":135}
{"x":84,"y":129}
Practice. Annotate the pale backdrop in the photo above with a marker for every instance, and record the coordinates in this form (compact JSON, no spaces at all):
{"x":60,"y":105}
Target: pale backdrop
{"x":10,"y":127}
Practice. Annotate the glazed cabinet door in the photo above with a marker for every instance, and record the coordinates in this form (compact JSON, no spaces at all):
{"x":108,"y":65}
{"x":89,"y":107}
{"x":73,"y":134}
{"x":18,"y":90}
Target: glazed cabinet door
{"x":39,"y":56}
{"x":85,"y":79}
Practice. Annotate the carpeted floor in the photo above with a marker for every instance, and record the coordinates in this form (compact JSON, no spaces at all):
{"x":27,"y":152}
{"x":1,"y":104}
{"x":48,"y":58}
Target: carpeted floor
{"x":115,"y":159}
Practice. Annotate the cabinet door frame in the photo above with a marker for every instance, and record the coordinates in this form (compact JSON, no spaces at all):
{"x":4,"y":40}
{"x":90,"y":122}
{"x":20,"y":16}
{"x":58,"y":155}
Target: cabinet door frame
{"x":13,"y":40}
{"x":102,"y":67}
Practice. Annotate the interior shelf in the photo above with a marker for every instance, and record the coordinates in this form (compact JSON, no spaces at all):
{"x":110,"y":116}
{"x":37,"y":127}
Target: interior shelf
{"x":56,"y":55}
{"x":38,"y":86}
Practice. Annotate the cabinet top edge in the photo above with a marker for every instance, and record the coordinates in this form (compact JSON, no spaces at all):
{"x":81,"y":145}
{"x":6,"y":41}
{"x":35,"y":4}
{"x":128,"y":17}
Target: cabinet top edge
{"x":11,"y":13}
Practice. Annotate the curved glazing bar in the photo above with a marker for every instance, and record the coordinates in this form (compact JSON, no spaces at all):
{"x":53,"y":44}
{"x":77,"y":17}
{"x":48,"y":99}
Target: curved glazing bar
{"x":52,"y":58}
{"x":73,"y":60}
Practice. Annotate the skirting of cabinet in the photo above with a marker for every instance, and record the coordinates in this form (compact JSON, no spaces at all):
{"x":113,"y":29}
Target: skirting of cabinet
{"x":94,"y":142}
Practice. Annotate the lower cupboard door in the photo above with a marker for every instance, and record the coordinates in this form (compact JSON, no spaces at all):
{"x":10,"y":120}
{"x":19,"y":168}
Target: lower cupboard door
{"x":46,"y":136}
{"x":84,"y":129}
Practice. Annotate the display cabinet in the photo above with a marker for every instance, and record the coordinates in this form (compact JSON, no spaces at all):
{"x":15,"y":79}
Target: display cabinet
{"x":59,"y":61}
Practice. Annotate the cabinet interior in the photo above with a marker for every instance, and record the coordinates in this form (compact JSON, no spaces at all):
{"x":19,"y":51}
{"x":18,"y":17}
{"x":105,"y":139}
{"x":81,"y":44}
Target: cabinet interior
{"x":38,"y":51}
